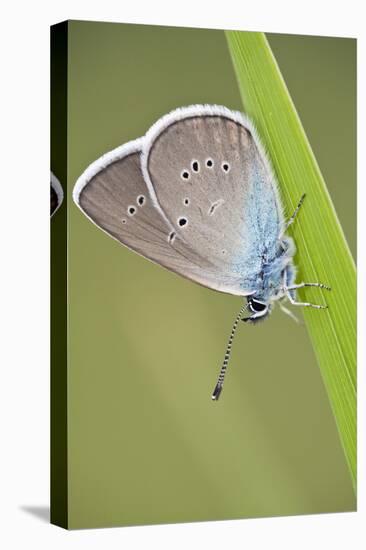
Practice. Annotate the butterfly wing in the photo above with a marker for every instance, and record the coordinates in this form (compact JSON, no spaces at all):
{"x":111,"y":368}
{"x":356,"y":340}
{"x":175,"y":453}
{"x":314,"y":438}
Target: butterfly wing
{"x":214,"y":183}
{"x":57,"y":194}
{"x":214,"y":226}
{"x":114,"y":195}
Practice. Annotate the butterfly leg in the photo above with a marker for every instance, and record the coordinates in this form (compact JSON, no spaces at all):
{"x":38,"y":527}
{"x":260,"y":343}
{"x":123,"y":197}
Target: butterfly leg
{"x":292,"y":219}
{"x":301,"y":285}
{"x":288,"y":312}
{"x":287,"y":291}
{"x":304,"y":304}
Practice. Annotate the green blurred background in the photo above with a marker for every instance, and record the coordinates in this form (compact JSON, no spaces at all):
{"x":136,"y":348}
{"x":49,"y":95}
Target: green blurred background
{"x":145,"y":442}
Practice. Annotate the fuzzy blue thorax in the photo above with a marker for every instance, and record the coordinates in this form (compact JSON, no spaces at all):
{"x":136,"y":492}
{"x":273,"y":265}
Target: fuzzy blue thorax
{"x":269,"y":281}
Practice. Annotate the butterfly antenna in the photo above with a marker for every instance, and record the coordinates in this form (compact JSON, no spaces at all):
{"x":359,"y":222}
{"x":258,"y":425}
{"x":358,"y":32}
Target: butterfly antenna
{"x":220,"y":381}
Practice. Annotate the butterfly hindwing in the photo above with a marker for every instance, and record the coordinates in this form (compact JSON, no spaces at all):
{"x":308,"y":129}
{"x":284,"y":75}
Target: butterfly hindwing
{"x":57,"y":194}
{"x":113,"y":194}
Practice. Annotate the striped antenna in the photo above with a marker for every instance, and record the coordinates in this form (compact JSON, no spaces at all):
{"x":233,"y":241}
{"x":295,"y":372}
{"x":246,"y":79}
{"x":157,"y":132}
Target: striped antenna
{"x":220,"y":381}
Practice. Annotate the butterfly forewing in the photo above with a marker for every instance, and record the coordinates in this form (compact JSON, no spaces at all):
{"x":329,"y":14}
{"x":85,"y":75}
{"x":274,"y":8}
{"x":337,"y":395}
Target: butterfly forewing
{"x":208,"y":171}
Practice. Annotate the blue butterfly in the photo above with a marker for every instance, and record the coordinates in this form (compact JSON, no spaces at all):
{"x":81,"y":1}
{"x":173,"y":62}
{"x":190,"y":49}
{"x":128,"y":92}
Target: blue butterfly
{"x":197,"y":195}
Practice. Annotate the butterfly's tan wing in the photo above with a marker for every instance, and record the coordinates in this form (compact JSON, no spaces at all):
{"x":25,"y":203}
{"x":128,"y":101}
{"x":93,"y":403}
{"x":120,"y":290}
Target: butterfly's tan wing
{"x":113,"y":193}
{"x":214,"y":183}
{"x":57,"y":194}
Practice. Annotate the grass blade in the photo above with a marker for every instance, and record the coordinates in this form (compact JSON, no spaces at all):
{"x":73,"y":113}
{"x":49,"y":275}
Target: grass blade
{"x":323,"y":253}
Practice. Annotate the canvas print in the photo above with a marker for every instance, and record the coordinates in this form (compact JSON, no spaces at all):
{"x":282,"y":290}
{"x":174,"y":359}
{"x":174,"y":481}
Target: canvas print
{"x":205,"y":183}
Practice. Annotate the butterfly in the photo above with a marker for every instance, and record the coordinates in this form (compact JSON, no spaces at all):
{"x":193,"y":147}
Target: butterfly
{"x":197,"y":195}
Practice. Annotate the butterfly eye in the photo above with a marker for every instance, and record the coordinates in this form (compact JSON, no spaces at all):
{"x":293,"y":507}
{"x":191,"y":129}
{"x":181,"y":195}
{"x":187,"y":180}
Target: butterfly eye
{"x":257,"y":307}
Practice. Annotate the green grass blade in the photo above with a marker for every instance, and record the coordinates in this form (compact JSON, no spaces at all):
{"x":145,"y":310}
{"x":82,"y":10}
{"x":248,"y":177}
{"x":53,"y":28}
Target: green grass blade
{"x":323,"y":253}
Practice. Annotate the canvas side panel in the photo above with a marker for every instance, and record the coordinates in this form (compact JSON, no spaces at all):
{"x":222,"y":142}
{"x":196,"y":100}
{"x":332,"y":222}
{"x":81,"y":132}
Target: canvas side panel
{"x":59,"y":478}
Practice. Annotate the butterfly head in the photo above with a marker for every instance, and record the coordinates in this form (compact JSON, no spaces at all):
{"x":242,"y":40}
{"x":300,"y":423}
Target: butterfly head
{"x":260,"y":310}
